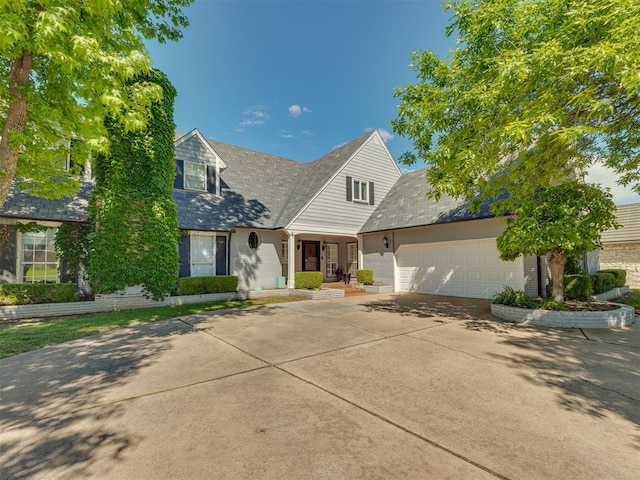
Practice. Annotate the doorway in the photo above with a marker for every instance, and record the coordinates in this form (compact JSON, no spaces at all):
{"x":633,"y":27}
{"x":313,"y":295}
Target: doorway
{"x":310,"y":256}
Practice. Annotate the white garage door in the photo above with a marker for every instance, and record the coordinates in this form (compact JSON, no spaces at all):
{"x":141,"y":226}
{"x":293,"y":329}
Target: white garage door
{"x":469,"y":268}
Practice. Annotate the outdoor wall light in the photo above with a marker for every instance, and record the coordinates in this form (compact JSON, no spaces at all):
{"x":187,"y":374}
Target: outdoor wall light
{"x":299,"y":244}
{"x":324,"y":245}
{"x":385,"y":240}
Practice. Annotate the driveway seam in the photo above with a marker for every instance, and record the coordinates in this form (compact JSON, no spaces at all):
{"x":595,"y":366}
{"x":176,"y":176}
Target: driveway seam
{"x":397,"y":425}
{"x":433,"y":443}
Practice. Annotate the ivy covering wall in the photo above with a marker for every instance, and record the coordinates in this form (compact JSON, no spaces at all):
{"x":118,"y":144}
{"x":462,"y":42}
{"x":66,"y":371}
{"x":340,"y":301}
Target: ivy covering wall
{"x":132,"y":208}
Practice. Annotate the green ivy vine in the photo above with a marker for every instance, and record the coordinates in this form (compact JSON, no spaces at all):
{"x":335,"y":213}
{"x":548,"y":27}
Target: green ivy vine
{"x":132,"y":209}
{"x":72,"y":243}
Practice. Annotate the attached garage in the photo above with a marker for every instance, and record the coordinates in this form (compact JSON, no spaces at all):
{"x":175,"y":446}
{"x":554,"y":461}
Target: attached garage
{"x":465,"y":268}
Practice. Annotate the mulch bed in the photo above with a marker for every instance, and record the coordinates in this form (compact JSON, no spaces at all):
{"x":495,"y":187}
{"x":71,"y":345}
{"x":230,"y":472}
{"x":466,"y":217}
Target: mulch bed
{"x":576,"y":306}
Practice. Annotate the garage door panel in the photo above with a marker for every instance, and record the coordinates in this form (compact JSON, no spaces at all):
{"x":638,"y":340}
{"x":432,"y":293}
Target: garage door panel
{"x":469,"y":268}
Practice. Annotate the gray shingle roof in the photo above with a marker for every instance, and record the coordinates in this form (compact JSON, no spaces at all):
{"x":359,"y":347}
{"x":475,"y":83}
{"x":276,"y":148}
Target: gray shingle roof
{"x":258,"y":190}
{"x":258,"y":181}
{"x":406,"y":206}
{"x":20,"y":204}
{"x":629,"y":217}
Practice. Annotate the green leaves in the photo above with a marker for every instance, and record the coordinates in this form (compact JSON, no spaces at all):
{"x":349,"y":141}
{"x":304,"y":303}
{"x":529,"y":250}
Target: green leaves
{"x":135,"y":219}
{"x":536,"y":91}
{"x":84,"y":53}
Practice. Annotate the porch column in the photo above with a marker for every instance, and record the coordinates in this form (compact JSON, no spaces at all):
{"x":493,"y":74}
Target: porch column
{"x":291,"y":266}
{"x":360,"y":254}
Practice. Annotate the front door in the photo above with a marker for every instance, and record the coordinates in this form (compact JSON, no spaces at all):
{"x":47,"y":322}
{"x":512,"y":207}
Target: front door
{"x":310,"y":256}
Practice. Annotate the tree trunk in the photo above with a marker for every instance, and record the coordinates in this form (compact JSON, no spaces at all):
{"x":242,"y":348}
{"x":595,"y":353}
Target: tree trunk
{"x":16,"y":120}
{"x":556,"y":264}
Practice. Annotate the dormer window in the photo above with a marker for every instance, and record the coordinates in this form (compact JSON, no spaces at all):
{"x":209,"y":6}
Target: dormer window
{"x":195,"y":176}
{"x":360,"y":191}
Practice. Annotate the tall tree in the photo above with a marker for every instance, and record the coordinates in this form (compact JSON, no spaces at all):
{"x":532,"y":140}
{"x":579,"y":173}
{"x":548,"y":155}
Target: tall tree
{"x":536,"y":91}
{"x":135,"y":219}
{"x":534,"y":94}
{"x":64,"y":66}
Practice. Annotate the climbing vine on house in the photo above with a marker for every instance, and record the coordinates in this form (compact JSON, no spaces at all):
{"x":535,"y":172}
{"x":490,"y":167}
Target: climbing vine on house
{"x":132,"y":208}
{"x":72,"y":244}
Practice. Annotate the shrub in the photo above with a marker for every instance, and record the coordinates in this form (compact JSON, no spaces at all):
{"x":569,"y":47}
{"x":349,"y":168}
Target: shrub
{"x":365,"y":277}
{"x":603,"y":282}
{"x":29,"y":293}
{"x":578,"y":287}
{"x":202,"y":285}
{"x":308,"y":280}
{"x":514,"y":298}
{"x":552,"y":304}
{"x":573,"y":266}
{"x":620,"y":274}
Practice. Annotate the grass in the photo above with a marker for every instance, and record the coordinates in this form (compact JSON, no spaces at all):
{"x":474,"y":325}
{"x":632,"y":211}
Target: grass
{"x":22,"y":336}
{"x":632,"y":298}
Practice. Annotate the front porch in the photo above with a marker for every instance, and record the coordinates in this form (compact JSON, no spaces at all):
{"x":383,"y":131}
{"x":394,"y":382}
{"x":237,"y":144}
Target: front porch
{"x":330,"y":254}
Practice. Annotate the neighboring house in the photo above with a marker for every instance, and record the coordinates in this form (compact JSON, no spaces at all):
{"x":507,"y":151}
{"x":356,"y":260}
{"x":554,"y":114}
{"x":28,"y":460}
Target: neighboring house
{"x":621,"y":248}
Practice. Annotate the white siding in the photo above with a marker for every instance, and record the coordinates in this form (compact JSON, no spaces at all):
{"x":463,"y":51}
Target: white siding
{"x":378,"y":258}
{"x":330,"y":211}
{"x":258,"y":267}
{"x":193,"y":150}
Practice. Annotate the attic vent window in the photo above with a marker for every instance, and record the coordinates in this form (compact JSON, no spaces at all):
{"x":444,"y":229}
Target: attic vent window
{"x":254,"y":241}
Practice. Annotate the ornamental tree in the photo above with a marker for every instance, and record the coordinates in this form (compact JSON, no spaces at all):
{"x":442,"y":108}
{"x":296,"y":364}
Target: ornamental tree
{"x":135,"y":219}
{"x":535,"y":93}
{"x":561,"y":221}
{"x":64,"y":67}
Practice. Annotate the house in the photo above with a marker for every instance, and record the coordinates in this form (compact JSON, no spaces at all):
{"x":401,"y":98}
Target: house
{"x":621,"y":248}
{"x":261,"y":217}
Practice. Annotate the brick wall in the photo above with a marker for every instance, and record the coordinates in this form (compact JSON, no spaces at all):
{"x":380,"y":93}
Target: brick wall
{"x":623,"y":255}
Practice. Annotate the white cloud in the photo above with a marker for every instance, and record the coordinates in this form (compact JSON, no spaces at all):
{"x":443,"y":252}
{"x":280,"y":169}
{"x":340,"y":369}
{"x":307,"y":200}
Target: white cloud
{"x":286,"y":134}
{"x":296,"y":110}
{"x":386,"y":135}
{"x":306,"y":133}
{"x":256,"y":115}
{"x":603,"y":175}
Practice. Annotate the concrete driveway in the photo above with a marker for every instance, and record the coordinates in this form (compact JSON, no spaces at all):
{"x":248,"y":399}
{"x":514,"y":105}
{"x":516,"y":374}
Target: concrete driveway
{"x":370,"y":387}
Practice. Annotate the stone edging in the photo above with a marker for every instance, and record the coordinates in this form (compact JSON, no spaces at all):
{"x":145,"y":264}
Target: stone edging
{"x":611,"y":294}
{"x":621,"y":317}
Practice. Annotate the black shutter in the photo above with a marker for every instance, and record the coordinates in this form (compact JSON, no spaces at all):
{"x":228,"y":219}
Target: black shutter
{"x":371,"y":198}
{"x":178,"y":181}
{"x":184,"y":252}
{"x":211,"y":179}
{"x":221,"y":255}
{"x":349,"y":189}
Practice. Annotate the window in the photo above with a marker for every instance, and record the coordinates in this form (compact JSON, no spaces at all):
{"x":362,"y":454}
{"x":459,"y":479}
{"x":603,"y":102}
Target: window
{"x":195,"y":176}
{"x":254,"y":240}
{"x":39,"y":262}
{"x":360,"y":191}
{"x":202,"y":255}
{"x":284,"y":252}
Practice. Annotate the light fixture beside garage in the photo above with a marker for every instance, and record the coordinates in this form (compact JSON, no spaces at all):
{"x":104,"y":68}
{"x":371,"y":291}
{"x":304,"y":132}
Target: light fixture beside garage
{"x":385,"y":241}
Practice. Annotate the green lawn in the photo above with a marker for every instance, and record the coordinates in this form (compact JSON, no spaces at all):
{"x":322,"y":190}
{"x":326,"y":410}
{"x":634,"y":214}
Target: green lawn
{"x":21,"y":336}
{"x":632,"y":298}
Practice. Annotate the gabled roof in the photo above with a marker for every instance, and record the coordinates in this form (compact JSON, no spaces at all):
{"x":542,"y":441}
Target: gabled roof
{"x":179,"y":139}
{"x":407,"y":206}
{"x":20,"y":204}
{"x":629,"y":218}
{"x":317,"y":174}
{"x":258,"y":179}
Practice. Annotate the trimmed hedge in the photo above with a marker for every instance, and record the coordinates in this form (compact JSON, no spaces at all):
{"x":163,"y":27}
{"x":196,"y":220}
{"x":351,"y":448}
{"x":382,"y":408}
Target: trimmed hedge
{"x":308,"y":280}
{"x":578,"y":287}
{"x":365,"y":277}
{"x":620,"y":274}
{"x":603,"y":282}
{"x":202,"y":285}
{"x":32,"y":293}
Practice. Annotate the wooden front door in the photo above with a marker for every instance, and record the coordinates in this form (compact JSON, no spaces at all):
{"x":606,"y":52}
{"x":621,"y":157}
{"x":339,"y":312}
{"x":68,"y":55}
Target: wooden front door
{"x":310,"y":256}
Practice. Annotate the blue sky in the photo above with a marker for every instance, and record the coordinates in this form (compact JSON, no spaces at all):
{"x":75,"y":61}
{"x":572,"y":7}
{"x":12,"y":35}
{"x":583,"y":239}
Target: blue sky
{"x":297,"y":78}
